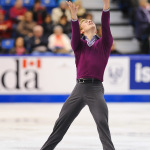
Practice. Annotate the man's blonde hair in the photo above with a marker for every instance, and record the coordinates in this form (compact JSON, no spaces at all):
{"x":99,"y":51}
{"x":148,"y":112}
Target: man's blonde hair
{"x":81,"y":21}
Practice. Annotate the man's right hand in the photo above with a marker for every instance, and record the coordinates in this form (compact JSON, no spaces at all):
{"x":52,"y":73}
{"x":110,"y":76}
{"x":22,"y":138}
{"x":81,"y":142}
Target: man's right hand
{"x":73,"y":9}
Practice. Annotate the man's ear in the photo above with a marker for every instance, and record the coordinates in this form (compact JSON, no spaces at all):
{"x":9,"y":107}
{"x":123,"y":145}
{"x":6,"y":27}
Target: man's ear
{"x":96,"y":30}
{"x":82,"y":31}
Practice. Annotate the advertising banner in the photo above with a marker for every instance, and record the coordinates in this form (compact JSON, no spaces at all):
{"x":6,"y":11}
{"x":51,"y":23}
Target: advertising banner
{"x":56,"y":75}
{"x":140,"y":74}
{"x":116,"y":76}
{"x":37,"y":75}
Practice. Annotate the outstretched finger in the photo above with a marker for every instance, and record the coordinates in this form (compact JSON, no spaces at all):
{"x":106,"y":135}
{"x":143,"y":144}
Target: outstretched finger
{"x":68,"y":3}
{"x":71,"y":4}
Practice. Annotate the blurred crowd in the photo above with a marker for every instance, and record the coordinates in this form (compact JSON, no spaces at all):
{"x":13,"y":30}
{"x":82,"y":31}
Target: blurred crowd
{"x":138,"y":11}
{"x":35,"y":30}
{"x":38,"y":30}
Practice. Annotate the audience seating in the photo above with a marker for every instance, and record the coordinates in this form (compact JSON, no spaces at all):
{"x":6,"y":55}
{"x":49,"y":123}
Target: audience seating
{"x":49,"y":4}
{"x":28,"y":3}
{"x":7,"y":4}
{"x":7,"y":44}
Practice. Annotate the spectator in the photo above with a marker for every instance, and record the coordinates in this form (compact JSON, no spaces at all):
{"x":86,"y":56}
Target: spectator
{"x":61,"y":10}
{"x":81,"y":10}
{"x":38,"y":43}
{"x":48,"y":25}
{"x":39,"y":12}
{"x":17,"y":12}
{"x":19,"y":48}
{"x":125,"y":6}
{"x":25,"y":27}
{"x":66,"y":25}
{"x":59,"y":42}
{"x":128,"y":8}
{"x":143,"y":25}
{"x":5,"y":26}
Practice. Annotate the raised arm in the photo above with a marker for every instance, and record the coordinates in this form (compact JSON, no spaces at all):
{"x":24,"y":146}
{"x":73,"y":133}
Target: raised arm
{"x":75,"y":40}
{"x":106,"y":4}
{"x":107,"y":38}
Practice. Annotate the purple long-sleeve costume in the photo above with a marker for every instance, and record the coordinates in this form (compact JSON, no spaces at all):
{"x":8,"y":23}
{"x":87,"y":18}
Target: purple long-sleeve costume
{"x":91,"y":61}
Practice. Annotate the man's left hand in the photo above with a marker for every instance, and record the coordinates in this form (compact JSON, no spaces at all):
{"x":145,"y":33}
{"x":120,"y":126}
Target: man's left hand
{"x":106,"y":4}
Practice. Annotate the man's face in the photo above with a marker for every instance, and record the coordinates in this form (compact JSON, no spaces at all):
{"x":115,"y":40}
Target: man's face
{"x":28,"y":17}
{"x":37,"y":5}
{"x":19,"y":42}
{"x":58,"y":31}
{"x":88,"y":25}
{"x":38,"y":32}
{"x":19,"y":4}
{"x":63,"y":5}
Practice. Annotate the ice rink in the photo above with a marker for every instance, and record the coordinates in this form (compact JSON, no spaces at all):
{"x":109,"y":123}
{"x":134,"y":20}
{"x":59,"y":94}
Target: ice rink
{"x":27,"y":126}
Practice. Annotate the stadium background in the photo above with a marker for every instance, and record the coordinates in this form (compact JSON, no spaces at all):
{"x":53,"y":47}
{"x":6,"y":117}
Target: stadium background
{"x":127,"y":76}
{"x":50,"y":75}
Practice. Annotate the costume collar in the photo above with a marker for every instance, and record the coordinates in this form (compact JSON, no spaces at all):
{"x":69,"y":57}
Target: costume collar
{"x":92,"y":41}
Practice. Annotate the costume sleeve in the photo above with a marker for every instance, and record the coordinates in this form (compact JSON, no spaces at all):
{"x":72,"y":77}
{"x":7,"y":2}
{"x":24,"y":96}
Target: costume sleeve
{"x":107,"y":39}
{"x":75,"y":40}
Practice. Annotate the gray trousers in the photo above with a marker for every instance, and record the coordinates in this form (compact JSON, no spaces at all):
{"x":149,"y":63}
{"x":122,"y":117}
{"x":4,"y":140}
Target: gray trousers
{"x":91,"y":94}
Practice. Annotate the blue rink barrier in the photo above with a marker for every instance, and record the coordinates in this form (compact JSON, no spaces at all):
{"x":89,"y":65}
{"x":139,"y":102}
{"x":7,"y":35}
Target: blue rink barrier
{"x":62,"y":98}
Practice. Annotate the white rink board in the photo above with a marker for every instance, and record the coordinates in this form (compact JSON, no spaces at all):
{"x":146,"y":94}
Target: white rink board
{"x":116,"y":76}
{"x":57,"y":75}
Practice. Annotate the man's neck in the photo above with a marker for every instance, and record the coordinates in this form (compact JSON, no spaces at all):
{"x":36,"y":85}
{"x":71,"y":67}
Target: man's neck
{"x":90,"y":35}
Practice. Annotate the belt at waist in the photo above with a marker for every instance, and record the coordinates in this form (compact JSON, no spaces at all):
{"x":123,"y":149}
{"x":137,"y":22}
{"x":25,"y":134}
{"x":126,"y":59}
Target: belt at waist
{"x":88,"y":80}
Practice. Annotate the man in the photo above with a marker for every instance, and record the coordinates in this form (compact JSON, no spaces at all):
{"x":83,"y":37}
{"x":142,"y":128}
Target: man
{"x":16,"y":13}
{"x":38,"y":43}
{"x":39,"y":12}
{"x":91,"y":54}
{"x":59,"y":11}
{"x":5,"y":26}
{"x":59,"y":42}
{"x":25,"y":27}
